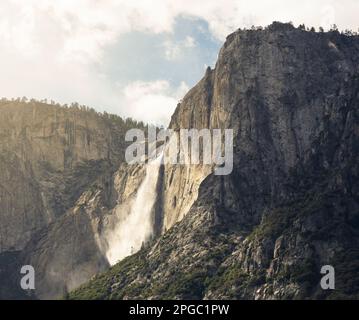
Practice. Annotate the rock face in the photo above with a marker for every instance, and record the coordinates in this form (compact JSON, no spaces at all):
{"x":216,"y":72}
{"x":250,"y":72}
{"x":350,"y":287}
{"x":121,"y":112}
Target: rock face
{"x":62,"y":174}
{"x":290,"y":205}
{"x":40,"y":147}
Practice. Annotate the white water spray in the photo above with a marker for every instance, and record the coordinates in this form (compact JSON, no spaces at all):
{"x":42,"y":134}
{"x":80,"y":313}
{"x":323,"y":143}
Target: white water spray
{"x":137,"y":226}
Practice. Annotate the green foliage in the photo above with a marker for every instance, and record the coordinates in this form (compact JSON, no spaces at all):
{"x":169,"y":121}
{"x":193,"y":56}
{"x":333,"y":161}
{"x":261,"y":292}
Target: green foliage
{"x":188,"y":285}
{"x":347,"y":276}
{"x":113,"y":119}
{"x":107,"y":285}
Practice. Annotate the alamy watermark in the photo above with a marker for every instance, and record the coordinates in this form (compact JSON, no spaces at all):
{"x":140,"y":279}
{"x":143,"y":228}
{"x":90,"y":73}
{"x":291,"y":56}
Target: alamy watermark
{"x":27,"y":282}
{"x":328,"y":280}
{"x":184,"y":146}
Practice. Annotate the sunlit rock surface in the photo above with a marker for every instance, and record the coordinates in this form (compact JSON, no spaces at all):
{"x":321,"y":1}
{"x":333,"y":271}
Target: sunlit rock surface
{"x":291,"y":204}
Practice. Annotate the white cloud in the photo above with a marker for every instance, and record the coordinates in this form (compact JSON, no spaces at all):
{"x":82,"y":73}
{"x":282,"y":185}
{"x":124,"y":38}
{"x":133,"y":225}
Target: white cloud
{"x":152,"y":101}
{"x":48,"y":48}
{"x":175,"y":50}
{"x":189,"y":42}
{"x":81,"y":29}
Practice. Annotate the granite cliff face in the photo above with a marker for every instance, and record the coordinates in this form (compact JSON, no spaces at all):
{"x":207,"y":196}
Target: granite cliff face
{"x":41,"y":146}
{"x":290,"y":205}
{"x":62,"y":175}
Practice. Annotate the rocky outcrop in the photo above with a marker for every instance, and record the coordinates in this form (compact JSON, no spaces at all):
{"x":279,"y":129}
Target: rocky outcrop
{"x":40,"y":147}
{"x":290,"y":205}
{"x":62,"y":175}
{"x":263,"y":232}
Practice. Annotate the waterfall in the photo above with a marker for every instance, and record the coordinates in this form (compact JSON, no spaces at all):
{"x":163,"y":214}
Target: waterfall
{"x":137,"y":226}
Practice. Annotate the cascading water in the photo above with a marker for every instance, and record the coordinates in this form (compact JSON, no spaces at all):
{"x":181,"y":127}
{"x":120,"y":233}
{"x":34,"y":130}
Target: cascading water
{"x":137,"y":227}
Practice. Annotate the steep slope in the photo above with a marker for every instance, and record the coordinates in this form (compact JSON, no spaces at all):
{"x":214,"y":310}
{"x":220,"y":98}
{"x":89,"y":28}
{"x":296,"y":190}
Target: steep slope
{"x":290,"y":205}
{"x":62,"y":170}
{"x":40,"y":145}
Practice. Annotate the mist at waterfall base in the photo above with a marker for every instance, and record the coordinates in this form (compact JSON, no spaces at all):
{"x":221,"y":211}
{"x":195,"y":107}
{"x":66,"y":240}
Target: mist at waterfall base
{"x":136,"y":227}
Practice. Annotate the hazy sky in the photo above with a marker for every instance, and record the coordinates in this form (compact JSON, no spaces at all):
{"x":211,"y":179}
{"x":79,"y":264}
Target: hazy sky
{"x":134,"y":58}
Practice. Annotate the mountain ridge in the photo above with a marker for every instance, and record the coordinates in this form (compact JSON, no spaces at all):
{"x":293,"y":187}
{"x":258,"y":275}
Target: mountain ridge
{"x":289,"y":207}
{"x":53,"y":160}
{"x":291,"y":204}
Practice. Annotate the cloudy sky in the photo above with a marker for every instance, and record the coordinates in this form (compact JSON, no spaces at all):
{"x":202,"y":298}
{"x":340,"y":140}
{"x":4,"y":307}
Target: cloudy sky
{"x":134,"y":58}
